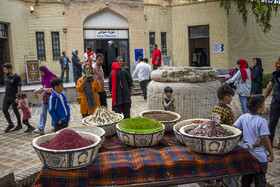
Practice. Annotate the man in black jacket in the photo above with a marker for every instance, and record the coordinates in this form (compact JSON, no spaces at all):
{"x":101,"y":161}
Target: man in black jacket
{"x":275,"y":103}
{"x":64,"y":62}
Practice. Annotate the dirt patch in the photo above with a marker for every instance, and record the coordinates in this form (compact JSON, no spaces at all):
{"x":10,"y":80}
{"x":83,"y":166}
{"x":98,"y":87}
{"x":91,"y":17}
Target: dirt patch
{"x":160,"y":116}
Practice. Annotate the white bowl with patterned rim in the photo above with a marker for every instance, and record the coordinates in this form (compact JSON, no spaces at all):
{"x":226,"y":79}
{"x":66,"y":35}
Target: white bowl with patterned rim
{"x":168,"y":124}
{"x":66,"y":159}
{"x":110,"y":128}
{"x":210,"y":145}
{"x":177,"y":127}
{"x":136,"y":139}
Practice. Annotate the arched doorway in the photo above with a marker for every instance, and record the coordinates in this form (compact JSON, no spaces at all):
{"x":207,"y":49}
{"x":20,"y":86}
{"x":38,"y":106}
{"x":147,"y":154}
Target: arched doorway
{"x":106,"y":32}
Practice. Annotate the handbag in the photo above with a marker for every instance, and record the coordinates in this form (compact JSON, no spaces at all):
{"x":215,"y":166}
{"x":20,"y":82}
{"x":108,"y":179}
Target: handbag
{"x":46,"y":98}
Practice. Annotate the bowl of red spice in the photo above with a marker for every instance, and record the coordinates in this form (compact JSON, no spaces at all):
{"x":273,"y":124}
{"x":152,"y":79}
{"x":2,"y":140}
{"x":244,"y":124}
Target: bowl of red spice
{"x":67,"y":150}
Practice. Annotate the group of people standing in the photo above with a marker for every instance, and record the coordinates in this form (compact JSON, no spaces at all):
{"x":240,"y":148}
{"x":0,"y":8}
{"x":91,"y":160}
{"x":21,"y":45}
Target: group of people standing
{"x":89,"y":79}
{"x":249,"y":81}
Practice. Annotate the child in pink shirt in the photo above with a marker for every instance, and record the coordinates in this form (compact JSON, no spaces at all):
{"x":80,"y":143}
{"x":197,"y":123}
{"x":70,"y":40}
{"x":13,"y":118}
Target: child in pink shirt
{"x":23,"y":105}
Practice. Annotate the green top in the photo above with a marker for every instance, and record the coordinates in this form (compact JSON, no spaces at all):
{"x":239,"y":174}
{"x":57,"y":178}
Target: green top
{"x":140,"y":125}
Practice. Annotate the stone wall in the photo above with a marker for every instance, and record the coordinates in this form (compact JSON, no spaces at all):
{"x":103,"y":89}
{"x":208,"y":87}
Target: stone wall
{"x":192,"y":100}
{"x":194,"y":90}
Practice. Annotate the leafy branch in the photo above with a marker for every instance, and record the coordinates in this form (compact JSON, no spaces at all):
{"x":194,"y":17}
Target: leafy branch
{"x":262,"y":9}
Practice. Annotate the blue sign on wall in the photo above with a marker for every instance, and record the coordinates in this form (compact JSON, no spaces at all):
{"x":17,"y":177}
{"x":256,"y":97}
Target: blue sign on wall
{"x":138,"y":52}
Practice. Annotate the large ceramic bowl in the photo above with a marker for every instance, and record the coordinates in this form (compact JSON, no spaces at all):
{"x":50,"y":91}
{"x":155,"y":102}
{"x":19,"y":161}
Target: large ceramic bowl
{"x":90,"y":129}
{"x":177,"y":127}
{"x":168,"y":124}
{"x":110,"y":129}
{"x":66,"y":159}
{"x":140,"y":139}
{"x":210,"y":145}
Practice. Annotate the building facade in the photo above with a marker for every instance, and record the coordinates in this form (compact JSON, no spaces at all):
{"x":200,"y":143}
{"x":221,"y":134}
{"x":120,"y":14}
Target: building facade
{"x":182,"y":30}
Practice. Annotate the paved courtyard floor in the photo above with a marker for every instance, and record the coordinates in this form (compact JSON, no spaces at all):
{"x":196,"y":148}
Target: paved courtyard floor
{"x":17,"y":154}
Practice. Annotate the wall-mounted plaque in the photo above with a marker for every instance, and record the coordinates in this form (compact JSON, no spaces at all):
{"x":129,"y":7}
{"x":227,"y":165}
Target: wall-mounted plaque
{"x":32,"y":71}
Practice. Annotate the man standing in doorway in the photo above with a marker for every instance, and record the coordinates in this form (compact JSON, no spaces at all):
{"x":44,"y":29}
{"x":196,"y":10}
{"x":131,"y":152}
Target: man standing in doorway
{"x":89,"y":56}
{"x":12,"y":88}
{"x":143,"y":72}
{"x":156,"y":60}
{"x":64,"y":62}
{"x":97,"y":70}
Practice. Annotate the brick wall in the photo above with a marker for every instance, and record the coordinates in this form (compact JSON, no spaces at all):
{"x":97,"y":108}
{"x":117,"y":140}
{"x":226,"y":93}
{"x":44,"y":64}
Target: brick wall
{"x":77,"y":12}
{"x":249,"y":41}
{"x":22,"y":27}
{"x":14,"y":14}
{"x":47,"y":18}
{"x":195,"y":14}
{"x":158,"y":21}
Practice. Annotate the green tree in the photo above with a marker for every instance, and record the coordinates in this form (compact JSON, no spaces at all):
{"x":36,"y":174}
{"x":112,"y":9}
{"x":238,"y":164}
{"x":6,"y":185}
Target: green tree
{"x":262,"y":9}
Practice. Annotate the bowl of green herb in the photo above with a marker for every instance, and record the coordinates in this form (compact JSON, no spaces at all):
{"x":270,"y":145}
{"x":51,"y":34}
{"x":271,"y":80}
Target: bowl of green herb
{"x":140,"y":132}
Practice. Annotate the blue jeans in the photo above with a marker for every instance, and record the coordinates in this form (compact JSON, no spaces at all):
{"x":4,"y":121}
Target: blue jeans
{"x":243,"y":100}
{"x":43,"y":117}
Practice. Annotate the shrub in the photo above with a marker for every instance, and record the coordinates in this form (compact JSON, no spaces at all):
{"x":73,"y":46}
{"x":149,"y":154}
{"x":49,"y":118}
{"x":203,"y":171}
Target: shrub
{"x":266,"y":78}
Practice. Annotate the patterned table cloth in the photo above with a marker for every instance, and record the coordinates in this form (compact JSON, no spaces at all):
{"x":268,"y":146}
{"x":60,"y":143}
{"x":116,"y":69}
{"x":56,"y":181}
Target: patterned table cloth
{"x":118,"y":164}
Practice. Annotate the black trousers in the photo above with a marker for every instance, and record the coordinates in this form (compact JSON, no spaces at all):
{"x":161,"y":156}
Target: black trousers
{"x":85,"y":115}
{"x":125,"y":108}
{"x":103,"y":98}
{"x":7,"y":102}
{"x":274,"y":117}
{"x":26,"y":122}
{"x":143,"y":85}
{"x":63,"y":69}
{"x":155,"y":67}
{"x":248,"y":179}
{"x":60,"y":126}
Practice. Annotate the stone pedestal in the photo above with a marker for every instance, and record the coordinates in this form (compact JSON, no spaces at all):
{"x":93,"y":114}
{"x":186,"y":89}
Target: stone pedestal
{"x":194,"y":90}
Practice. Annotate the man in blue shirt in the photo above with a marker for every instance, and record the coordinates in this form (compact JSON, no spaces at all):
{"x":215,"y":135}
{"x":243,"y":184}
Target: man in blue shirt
{"x":64,"y":62}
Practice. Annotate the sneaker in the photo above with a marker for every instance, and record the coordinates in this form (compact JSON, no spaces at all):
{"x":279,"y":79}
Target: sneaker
{"x":27,"y":130}
{"x":31,"y":129}
{"x":10,"y":126}
{"x":18,"y":127}
{"x":39,"y":131}
{"x":144,"y":100}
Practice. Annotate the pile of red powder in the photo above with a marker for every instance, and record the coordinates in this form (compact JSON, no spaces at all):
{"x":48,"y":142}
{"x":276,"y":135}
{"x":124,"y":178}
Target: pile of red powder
{"x":67,"y":139}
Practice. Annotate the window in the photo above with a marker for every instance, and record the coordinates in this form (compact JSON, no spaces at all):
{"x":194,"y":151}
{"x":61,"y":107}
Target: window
{"x":55,"y":45}
{"x":152,"y":42}
{"x":199,"y":31}
{"x":3,"y":30}
{"x":163,"y":44}
{"x":40,"y":39}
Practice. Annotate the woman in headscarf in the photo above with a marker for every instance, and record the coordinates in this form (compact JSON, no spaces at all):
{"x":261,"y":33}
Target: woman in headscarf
{"x":88,"y":86}
{"x":243,"y":77}
{"x":77,"y":66}
{"x":120,"y":60}
{"x":257,"y":71}
{"x":45,"y":91}
{"x":121,"y":86}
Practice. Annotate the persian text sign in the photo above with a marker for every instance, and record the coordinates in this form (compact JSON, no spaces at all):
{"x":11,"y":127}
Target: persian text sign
{"x":32,"y":71}
{"x":106,"y":34}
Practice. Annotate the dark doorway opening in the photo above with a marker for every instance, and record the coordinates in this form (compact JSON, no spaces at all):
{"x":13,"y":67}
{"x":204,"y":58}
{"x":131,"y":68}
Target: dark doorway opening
{"x":4,"y":49}
{"x":199,"y":50}
{"x":111,"y":49}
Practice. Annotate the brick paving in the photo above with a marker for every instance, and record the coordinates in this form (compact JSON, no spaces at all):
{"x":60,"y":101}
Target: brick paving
{"x":17,"y":154}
